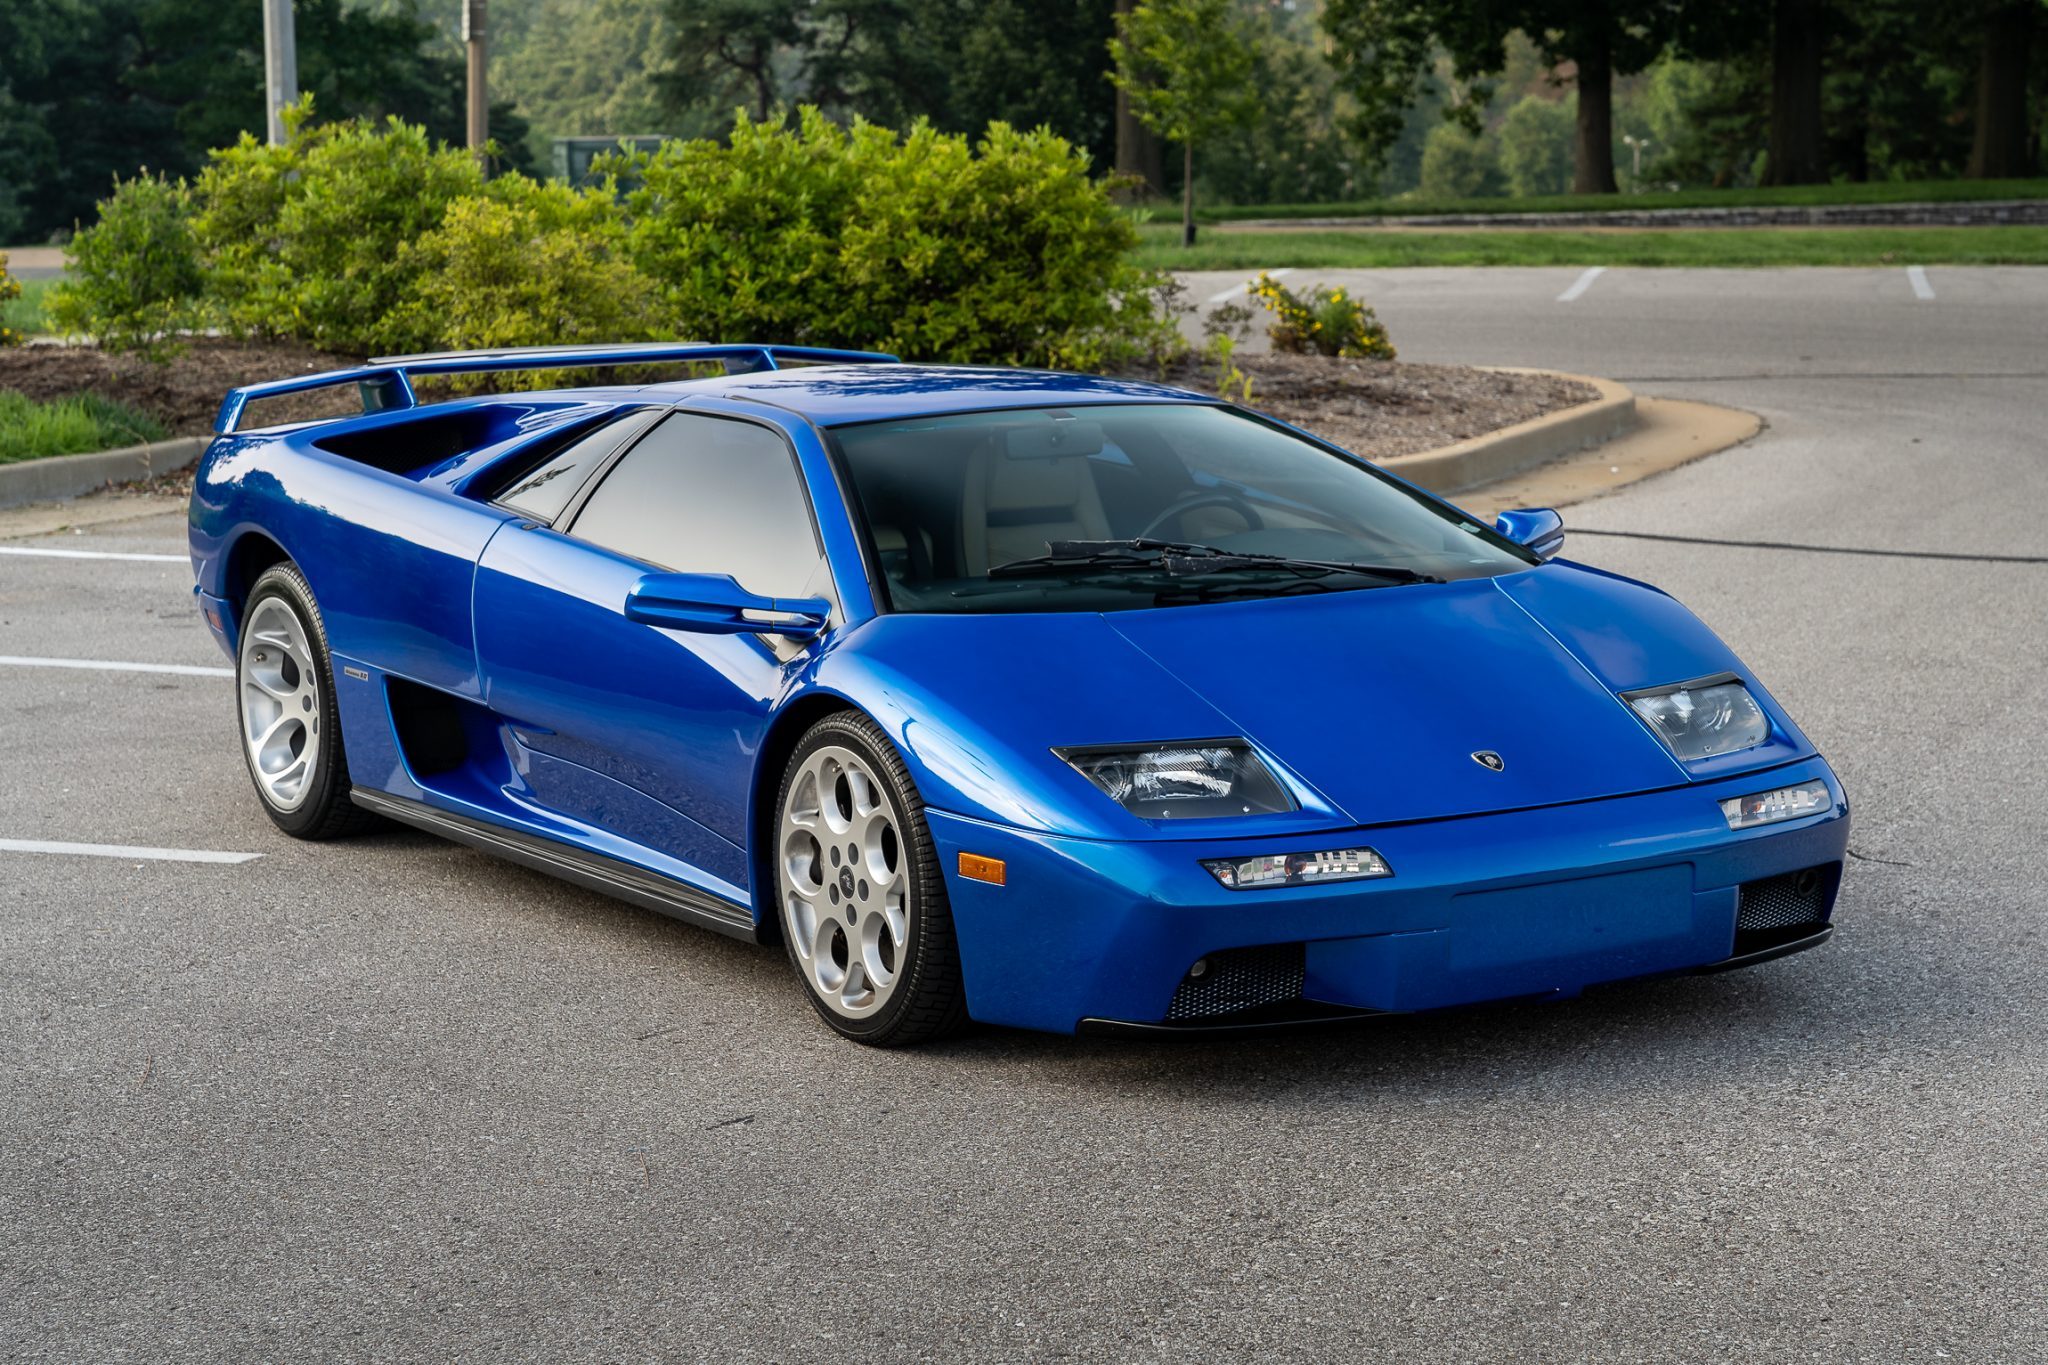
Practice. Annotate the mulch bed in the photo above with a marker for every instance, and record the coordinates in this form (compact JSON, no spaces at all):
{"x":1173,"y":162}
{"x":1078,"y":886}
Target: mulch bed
{"x":184,"y":392}
{"x":1374,"y":407}
{"x":1383,"y":408}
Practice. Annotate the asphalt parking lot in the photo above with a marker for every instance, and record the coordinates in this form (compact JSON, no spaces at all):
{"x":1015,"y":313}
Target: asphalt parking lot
{"x":390,"y":1099}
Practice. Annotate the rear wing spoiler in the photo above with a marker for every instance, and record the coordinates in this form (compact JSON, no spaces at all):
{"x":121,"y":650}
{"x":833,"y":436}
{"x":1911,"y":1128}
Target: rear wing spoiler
{"x":386,"y":382}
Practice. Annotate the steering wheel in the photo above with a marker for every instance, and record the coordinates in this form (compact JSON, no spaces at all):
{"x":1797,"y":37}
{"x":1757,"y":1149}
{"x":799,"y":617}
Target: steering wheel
{"x":1202,"y":497}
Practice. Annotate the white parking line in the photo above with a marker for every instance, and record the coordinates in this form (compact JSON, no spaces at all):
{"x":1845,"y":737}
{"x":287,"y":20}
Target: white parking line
{"x":93,"y":554}
{"x":129,"y":851}
{"x":1582,"y":283}
{"x":1227,"y":295}
{"x":1917,"y":276}
{"x":118,"y":666}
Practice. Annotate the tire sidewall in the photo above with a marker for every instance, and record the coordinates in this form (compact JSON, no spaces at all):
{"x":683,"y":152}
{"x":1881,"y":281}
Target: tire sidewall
{"x":848,"y":730}
{"x":288,"y":584}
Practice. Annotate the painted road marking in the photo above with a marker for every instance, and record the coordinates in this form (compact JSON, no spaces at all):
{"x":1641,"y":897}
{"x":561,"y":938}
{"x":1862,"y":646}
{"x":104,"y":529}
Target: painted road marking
{"x":1227,"y":295}
{"x":117,"y":666}
{"x":1582,"y":283}
{"x":1917,"y":276}
{"x":129,"y":851}
{"x":94,"y":554}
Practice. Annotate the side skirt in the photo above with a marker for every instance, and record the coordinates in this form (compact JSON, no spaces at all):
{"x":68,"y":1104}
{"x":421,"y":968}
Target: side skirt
{"x":593,"y":870}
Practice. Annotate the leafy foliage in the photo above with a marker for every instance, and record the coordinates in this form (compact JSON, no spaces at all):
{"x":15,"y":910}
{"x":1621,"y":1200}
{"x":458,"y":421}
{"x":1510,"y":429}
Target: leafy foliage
{"x":10,"y":289}
{"x":1459,"y":164}
{"x":524,"y":264}
{"x":926,"y":244}
{"x":135,"y":278}
{"x":1324,"y":321}
{"x":308,"y":239}
{"x":1535,"y":142}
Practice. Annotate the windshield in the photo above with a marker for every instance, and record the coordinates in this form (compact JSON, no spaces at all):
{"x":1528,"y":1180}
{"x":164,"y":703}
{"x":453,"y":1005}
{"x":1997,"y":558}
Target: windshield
{"x":1120,"y":507}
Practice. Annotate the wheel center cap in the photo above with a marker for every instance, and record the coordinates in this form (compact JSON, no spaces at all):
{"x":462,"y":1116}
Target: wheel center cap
{"x":846,"y":881}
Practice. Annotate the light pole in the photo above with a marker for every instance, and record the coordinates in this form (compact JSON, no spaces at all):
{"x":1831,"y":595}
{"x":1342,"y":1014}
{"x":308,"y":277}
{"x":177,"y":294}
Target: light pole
{"x":479,"y":99}
{"x":1635,"y":173}
{"x":280,"y":66}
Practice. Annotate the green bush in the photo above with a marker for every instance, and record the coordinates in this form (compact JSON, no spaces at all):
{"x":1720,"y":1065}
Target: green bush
{"x":68,"y":426}
{"x":1322,"y":322}
{"x":524,"y":264}
{"x":134,"y":281}
{"x":1001,"y":251}
{"x":307,"y":239}
{"x":10,"y":290}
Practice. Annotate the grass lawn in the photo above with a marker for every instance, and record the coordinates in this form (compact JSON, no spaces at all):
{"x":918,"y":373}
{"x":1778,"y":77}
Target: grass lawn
{"x":25,"y":314}
{"x":1222,"y":248}
{"x":1884,"y":192}
{"x":68,"y":426}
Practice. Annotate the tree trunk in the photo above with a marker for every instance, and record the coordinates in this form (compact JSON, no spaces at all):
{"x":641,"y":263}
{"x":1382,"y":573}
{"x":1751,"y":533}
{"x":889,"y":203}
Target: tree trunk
{"x":1593,"y":153}
{"x":1187,"y":194}
{"x":1998,"y":149}
{"x":1798,"y":45}
{"x":1139,"y":151}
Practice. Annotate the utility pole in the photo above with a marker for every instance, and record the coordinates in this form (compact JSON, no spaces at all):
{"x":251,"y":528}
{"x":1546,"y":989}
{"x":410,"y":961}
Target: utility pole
{"x":479,"y":98}
{"x":280,"y":65}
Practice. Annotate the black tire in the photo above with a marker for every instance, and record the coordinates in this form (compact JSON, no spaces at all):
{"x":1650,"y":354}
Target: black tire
{"x":928,"y":998}
{"x":322,"y":809}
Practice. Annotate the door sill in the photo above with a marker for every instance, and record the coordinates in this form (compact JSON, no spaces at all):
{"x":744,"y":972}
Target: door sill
{"x":597,"y":871}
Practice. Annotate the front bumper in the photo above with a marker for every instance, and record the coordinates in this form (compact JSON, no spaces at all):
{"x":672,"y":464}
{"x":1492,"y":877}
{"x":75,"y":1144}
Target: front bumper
{"x":1531,"y":903}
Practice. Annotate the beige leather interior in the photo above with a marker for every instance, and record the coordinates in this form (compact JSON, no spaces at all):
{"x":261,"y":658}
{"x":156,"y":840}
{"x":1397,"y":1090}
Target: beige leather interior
{"x":1012,"y":507}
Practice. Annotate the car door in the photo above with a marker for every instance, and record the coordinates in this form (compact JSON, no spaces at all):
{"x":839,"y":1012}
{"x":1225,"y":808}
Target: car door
{"x":646,"y":733}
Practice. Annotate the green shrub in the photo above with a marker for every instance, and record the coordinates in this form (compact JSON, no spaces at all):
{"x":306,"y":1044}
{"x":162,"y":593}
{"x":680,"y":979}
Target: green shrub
{"x":134,"y":281}
{"x":68,"y":426}
{"x":1000,"y":251}
{"x":10,"y":289}
{"x":1322,"y":322}
{"x":524,"y":264}
{"x":307,"y":240}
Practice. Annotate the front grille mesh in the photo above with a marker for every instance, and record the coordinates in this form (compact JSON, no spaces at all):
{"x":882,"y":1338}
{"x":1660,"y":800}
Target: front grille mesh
{"x":1787,"y":901}
{"x":1241,"y":979}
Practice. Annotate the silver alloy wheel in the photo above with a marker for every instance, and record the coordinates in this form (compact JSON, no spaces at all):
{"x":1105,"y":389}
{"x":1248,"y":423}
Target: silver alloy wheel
{"x":844,"y":883}
{"x":280,"y":702}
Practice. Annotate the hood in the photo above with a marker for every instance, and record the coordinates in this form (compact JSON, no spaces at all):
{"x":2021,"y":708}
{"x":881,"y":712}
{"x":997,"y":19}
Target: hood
{"x":1375,"y":700}
{"x":1380,"y":699}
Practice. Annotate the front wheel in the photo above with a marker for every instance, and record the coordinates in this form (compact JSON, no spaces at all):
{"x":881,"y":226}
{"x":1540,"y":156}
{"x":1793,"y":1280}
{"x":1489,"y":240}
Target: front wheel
{"x":291,"y":730}
{"x":863,"y":904}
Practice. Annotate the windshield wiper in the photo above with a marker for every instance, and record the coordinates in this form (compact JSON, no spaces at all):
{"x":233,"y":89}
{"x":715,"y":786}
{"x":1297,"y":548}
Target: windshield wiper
{"x":1180,"y":558}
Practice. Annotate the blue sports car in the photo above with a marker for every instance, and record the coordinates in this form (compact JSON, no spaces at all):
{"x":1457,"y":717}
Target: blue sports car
{"x":1030,"y":698}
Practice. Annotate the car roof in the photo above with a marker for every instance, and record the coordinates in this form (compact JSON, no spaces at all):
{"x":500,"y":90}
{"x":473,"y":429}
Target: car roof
{"x":833,"y":395}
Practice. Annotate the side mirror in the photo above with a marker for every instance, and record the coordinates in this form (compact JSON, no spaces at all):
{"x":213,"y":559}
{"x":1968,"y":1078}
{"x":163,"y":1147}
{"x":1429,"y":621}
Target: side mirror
{"x":1536,"y":529}
{"x":715,"y":604}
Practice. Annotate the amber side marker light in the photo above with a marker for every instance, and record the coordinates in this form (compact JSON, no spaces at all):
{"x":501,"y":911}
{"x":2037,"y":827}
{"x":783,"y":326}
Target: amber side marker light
{"x":976,"y":868}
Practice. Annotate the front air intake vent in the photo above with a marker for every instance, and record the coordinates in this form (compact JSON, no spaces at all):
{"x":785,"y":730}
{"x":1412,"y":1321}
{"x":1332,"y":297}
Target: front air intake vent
{"x":1240,"y":979}
{"x":1791,"y":900}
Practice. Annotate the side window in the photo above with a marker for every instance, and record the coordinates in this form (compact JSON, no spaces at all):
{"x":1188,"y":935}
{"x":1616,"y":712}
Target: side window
{"x":544,"y":491}
{"x":707,"y":495}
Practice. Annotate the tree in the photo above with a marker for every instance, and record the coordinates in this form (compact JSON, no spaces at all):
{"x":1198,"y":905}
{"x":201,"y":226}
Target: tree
{"x":2001,"y":144}
{"x":1386,"y":48}
{"x":1536,"y":146}
{"x":1184,"y":65}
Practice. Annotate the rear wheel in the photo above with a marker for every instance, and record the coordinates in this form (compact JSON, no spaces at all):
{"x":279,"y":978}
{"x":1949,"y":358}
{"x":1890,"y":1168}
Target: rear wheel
{"x":863,"y":905}
{"x":291,"y":732}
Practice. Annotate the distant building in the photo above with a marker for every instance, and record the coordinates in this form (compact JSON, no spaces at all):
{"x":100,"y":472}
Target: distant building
{"x":574,"y":155}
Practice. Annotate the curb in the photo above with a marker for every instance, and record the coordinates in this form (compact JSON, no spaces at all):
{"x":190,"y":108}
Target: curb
{"x":67,"y":476}
{"x":1511,"y":450}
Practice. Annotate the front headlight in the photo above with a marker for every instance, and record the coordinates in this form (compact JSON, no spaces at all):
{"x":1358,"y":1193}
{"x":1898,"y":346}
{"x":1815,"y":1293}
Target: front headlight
{"x":1702,"y":719}
{"x":1191,"y":780}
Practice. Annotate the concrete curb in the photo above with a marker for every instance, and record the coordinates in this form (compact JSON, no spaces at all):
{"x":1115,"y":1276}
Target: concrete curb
{"x":1511,"y":450}
{"x":67,"y":476}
